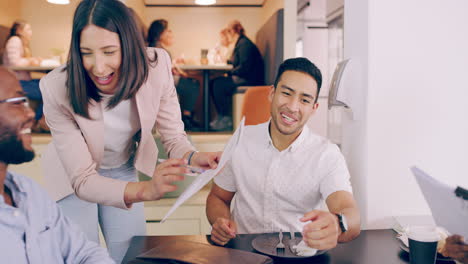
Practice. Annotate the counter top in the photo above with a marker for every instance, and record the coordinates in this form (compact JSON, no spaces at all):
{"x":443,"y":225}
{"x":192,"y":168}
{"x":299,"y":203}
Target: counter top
{"x":41,"y":139}
{"x":196,"y":137}
{"x":224,"y":67}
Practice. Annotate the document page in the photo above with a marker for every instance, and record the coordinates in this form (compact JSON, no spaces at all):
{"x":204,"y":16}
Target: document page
{"x":448,"y":210}
{"x":202,"y":179}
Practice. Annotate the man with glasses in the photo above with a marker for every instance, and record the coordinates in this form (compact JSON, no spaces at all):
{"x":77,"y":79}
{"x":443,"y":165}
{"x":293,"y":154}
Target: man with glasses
{"x":33,"y":228}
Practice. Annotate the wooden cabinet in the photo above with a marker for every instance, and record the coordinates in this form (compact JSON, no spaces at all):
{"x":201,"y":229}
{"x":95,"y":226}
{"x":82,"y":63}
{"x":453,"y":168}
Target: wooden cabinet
{"x":189,"y":219}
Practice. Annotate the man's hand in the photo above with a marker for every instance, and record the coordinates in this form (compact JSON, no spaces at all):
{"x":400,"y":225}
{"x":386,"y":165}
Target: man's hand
{"x":322,"y":233}
{"x":456,"y":248}
{"x":206,"y":160}
{"x":223,"y":230}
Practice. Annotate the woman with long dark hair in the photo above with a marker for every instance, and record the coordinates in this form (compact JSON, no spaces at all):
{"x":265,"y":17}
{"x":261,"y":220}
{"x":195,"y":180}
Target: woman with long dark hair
{"x":101,"y":108}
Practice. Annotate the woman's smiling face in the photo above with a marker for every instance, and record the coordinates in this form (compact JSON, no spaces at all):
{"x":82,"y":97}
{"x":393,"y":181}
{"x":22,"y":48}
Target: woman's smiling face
{"x":101,"y":55}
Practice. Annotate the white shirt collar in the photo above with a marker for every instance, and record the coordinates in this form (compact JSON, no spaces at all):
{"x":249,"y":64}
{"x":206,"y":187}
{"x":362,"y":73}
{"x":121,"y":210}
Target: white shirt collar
{"x":296,"y":143}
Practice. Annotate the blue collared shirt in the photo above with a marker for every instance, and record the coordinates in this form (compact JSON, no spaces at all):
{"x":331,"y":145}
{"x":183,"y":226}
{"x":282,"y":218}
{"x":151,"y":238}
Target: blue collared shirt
{"x":36,"y":231}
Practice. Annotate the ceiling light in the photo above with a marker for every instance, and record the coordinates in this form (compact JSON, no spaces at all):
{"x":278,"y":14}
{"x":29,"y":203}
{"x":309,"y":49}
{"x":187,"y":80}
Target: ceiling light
{"x":205,"y":2}
{"x":59,"y":2}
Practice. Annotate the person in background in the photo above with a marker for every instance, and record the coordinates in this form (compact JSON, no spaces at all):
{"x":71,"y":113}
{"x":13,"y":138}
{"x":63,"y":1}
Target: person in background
{"x":222,"y":51}
{"x":188,"y":89}
{"x":18,"y":53}
{"x":33,"y":228}
{"x":247,"y":69}
{"x":101,"y":107}
{"x":281,"y":172}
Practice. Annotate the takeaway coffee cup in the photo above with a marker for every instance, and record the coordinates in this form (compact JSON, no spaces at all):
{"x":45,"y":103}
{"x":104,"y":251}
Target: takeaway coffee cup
{"x":423,"y":244}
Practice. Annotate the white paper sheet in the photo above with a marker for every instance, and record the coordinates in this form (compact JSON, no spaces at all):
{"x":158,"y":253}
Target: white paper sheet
{"x":205,"y":177}
{"x":448,"y":210}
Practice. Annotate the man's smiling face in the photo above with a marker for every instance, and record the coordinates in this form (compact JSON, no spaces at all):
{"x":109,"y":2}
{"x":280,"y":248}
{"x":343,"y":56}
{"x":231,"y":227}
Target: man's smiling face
{"x":293,"y":102}
{"x":16,"y":120}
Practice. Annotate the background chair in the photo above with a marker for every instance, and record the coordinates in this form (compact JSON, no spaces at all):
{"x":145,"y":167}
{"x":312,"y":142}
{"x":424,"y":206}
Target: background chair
{"x":255,"y":105}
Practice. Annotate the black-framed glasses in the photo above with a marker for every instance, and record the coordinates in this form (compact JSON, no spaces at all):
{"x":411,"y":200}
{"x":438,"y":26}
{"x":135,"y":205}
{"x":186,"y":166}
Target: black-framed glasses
{"x":22,"y":100}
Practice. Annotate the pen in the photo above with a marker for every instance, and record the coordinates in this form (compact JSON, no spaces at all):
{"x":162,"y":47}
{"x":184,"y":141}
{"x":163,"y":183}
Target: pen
{"x":191,"y":168}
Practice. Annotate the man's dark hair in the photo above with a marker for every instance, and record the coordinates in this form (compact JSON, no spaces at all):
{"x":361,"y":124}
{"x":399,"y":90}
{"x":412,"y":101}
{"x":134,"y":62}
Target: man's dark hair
{"x":114,"y":16}
{"x":155,"y":31}
{"x":301,"y":65}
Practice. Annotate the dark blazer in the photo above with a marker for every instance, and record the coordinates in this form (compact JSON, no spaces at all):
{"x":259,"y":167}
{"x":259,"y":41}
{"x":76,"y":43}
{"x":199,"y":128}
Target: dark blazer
{"x":247,"y":62}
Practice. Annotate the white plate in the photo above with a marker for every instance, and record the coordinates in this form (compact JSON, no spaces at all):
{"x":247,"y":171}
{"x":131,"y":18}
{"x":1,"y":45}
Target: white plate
{"x":266,"y":244}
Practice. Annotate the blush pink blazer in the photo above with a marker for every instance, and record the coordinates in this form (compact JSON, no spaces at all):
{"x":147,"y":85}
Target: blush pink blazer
{"x":71,"y":160}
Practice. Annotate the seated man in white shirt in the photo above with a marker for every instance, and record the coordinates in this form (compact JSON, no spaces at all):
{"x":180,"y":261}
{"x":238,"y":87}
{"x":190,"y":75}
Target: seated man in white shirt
{"x":32,"y":227}
{"x":281,"y":171}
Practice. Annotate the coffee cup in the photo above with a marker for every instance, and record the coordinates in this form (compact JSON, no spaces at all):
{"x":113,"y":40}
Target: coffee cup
{"x":204,"y":57}
{"x":423,"y":244}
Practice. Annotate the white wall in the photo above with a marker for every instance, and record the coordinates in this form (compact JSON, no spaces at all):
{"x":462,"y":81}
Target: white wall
{"x":316,"y":49}
{"x":354,"y":134}
{"x":51,"y":25}
{"x":270,"y":7}
{"x":290,"y":17}
{"x":315,"y":42}
{"x":414,"y":58}
{"x":9,"y":12}
{"x":138,"y":6}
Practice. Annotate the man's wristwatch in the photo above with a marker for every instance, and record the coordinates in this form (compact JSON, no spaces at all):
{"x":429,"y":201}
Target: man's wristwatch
{"x":342,"y":222}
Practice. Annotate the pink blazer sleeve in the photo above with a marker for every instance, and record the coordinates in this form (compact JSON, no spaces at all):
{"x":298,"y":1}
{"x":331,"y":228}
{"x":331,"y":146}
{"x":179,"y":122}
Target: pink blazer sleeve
{"x":72,"y":149}
{"x":14,"y":53}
